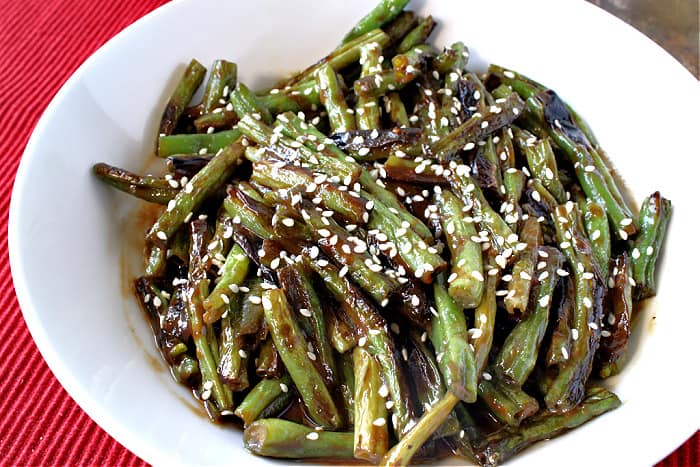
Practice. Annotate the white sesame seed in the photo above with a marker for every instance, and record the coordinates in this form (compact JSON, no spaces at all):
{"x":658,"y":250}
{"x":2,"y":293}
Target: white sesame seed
{"x":486,"y":376}
{"x":544,"y":301}
{"x":305,"y":312}
{"x":255,"y":300}
{"x":313,"y":436}
{"x":564,"y":353}
{"x":162,"y":235}
{"x":574,"y":334}
{"x":206,"y":394}
{"x":284,"y":387}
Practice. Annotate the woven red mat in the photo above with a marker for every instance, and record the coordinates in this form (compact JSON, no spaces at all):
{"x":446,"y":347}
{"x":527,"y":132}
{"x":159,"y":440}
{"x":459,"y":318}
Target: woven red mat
{"x":42,"y":42}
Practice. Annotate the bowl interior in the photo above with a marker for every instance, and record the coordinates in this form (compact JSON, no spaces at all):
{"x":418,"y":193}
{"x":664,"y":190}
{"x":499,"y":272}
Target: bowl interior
{"x":75,"y":245}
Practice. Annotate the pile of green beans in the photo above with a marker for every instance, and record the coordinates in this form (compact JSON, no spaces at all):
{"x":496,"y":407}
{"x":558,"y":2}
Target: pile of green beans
{"x":390,"y":258}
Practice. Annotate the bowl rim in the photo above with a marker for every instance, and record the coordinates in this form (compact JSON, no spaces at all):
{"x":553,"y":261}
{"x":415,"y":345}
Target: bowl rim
{"x":106,"y":421}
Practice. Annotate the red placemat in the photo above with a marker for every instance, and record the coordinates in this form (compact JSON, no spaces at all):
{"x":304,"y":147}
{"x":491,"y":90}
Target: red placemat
{"x":42,"y":42}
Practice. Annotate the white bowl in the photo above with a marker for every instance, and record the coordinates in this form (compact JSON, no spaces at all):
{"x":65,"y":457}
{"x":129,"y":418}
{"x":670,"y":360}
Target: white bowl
{"x":67,"y":231}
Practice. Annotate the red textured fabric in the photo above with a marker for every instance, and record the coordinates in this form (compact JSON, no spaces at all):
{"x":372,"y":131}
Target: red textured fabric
{"x":42,"y":42}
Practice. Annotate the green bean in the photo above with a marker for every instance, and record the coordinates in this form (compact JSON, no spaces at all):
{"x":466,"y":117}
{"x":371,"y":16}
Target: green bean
{"x":222,"y":79}
{"x":403,"y":451}
{"x":466,"y":280}
{"x":503,"y":444}
{"x":417,"y":35}
{"x":395,"y":109}
{"x":346,"y":385}
{"x":371,"y":432}
{"x":173,"y":145}
{"x":501,"y":236}
{"x":449,"y":337}
{"x":653,"y":217}
{"x":568,"y":387}
{"x":334,"y":101}
{"x":296,"y":283}
{"x":249,"y":213}
{"x":198,"y":285}
{"x":181,"y":96}
{"x":506,"y":401}
{"x":453,"y":59}
{"x":542,"y":162}
{"x":264,"y":393}
{"x":481,"y":337}
{"x":278,"y":176}
{"x":612,"y":353}
{"x":274,"y":437}
{"x":293,"y":151}
{"x":478,"y":127}
{"x":367,"y":112}
{"x":420,"y":261}
{"x":383,"y":13}
{"x":518,"y":297}
{"x":152,"y":189}
{"x":596,"y":223}
{"x":517,"y":357}
{"x":233,"y":361}
{"x":245,"y":102}
{"x":293,"y":348}
{"x":233,"y":273}
{"x":341,"y":336}
{"x":188,"y":200}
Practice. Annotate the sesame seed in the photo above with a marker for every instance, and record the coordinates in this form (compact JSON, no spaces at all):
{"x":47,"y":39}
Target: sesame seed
{"x":343,"y":271}
{"x":564,"y":353}
{"x":574,"y":334}
{"x":206,"y":394}
{"x":266,"y":303}
{"x":255,"y":300}
{"x":635,"y":253}
{"x":313,"y":436}
{"x":544,"y":301}
{"x":289,"y":222}
{"x":592,"y":325}
{"x":311,"y":355}
{"x":475,"y":333}
{"x":305,"y":312}
{"x":362,"y":341}
{"x":486,"y":376}
{"x":162,"y":235}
